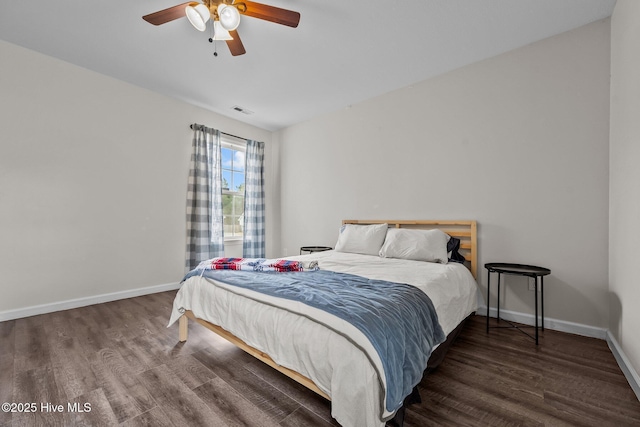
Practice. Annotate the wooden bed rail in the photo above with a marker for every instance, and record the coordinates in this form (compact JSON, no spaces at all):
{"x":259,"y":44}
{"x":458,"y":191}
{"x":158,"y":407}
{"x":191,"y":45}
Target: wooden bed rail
{"x":183,"y":326}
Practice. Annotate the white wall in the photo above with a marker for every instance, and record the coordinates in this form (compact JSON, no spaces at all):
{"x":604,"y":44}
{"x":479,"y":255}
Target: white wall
{"x":624,"y":197}
{"x":93,"y":178}
{"x":518,"y":142}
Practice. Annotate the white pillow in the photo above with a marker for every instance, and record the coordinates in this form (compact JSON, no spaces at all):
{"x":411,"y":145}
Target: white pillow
{"x":417,"y":245}
{"x":361,"y":239}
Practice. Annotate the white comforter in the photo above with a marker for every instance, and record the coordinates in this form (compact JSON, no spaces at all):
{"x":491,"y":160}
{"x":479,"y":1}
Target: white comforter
{"x":337,"y":366}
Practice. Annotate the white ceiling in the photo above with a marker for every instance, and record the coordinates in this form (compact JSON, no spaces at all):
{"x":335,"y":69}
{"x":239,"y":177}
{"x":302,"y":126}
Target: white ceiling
{"x":343,"y":52}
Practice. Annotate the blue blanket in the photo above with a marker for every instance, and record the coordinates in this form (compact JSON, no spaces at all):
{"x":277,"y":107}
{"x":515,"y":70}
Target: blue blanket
{"x":398,"y":319}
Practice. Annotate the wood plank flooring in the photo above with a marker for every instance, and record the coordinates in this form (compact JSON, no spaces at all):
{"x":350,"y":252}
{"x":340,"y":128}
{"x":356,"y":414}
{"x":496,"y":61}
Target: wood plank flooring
{"x":120,"y":358}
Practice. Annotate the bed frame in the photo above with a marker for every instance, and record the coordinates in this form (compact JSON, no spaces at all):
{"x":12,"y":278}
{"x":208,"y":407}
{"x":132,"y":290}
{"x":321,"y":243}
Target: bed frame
{"x":466,"y":231}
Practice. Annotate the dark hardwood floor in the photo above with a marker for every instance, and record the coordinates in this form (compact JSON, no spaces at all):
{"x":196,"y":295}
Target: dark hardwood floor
{"x":120,"y":358}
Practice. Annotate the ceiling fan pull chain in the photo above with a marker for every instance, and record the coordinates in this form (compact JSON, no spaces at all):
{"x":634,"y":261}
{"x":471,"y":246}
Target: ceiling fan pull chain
{"x":212,"y":40}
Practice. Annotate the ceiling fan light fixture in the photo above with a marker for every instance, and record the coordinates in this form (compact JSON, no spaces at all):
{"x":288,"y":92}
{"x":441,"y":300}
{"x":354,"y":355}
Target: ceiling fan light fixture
{"x":198,"y":16}
{"x":219,"y":32}
{"x":229,"y":16}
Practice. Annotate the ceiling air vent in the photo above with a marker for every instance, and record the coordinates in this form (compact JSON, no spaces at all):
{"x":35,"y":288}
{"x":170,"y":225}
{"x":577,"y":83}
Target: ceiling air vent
{"x":241,"y":110}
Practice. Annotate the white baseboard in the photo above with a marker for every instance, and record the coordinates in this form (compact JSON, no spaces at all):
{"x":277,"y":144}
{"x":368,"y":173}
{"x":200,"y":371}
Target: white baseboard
{"x":549,"y":323}
{"x":627,"y":369}
{"x":83,"y":302}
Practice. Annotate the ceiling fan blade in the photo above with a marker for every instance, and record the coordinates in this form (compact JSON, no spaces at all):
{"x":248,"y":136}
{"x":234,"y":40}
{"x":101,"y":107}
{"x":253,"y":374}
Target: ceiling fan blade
{"x":235,"y":46}
{"x":167,"y":15}
{"x":271,"y":13}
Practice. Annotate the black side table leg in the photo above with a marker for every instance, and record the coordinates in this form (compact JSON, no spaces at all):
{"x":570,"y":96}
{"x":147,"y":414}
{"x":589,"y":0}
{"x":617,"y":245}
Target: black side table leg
{"x":542,"y":299}
{"x":498,"y":310}
{"x":488,"y":296}
{"x":536,"y":297}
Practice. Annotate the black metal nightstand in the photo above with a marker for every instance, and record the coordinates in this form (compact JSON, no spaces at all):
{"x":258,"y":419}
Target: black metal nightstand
{"x":518,"y":270}
{"x":312,"y":249}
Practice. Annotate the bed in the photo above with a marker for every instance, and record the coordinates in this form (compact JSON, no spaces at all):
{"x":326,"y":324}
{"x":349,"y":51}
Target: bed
{"x":338,"y":362}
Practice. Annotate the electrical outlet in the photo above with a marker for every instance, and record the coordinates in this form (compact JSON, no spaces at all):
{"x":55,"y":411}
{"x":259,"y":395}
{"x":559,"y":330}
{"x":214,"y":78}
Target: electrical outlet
{"x":286,"y":252}
{"x":532,"y":286}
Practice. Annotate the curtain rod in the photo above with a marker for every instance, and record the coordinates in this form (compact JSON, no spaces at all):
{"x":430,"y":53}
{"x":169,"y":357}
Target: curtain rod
{"x":224,"y":133}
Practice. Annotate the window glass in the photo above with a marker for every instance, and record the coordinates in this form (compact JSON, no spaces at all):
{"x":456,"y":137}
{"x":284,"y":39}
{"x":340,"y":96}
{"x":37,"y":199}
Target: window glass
{"x":233,"y":152}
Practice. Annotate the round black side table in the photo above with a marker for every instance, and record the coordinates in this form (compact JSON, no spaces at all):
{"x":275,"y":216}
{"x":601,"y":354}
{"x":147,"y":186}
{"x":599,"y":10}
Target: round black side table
{"x":312,"y":249}
{"x":518,"y":270}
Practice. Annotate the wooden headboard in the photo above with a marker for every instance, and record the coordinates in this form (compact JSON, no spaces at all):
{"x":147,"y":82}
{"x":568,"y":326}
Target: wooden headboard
{"x":466,"y":231}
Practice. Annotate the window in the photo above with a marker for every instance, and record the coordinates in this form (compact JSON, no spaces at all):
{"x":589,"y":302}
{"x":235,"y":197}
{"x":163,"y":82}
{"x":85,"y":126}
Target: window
{"x":233,"y":151}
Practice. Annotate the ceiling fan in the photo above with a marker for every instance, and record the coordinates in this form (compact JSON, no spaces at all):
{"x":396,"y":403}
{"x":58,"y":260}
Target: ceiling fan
{"x":225,"y":16}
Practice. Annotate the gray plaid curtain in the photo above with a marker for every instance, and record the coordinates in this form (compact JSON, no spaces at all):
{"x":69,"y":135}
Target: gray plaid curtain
{"x":205,"y":238}
{"x":253,"y":245}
